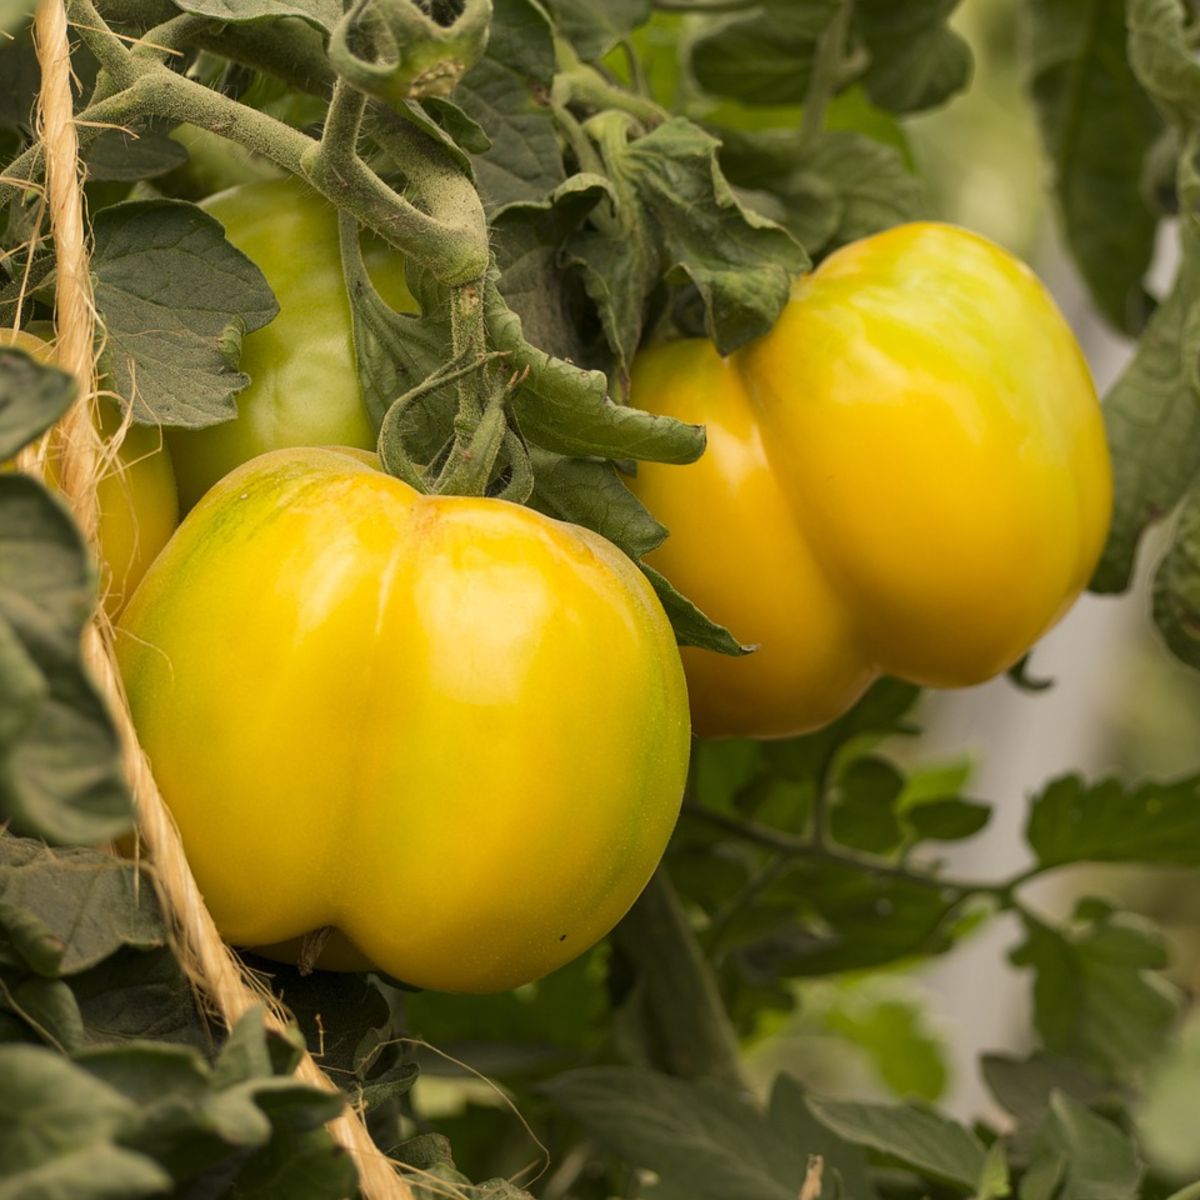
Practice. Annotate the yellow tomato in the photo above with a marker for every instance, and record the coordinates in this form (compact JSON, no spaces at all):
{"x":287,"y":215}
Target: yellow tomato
{"x":452,"y":729}
{"x":138,"y":504}
{"x":303,"y":372}
{"x":908,"y":475}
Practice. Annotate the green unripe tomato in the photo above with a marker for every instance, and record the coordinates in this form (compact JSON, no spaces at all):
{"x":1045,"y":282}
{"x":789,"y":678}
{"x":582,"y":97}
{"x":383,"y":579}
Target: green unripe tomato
{"x":304,"y":387}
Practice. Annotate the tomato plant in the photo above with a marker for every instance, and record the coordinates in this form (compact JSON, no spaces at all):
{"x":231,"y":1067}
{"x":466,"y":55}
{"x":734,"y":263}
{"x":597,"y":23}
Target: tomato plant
{"x":502,"y":347}
{"x":912,"y":462}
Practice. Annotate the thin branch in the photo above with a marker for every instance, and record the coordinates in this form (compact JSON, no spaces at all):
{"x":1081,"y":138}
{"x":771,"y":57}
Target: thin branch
{"x":791,"y":846}
{"x":827,"y":70}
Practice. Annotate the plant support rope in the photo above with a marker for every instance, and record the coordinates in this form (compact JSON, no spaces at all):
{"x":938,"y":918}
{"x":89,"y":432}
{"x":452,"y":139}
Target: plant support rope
{"x":216,"y":972}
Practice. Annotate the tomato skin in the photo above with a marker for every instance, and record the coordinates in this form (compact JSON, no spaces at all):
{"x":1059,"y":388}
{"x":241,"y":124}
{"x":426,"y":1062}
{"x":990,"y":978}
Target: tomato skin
{"x":453,"y":729}
{"x":136,"y":495}
{"x":304,"y":387}
{"x":908,"y":475}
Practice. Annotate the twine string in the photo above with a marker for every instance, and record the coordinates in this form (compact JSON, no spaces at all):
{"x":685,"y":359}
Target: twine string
{"x":218,"y":975}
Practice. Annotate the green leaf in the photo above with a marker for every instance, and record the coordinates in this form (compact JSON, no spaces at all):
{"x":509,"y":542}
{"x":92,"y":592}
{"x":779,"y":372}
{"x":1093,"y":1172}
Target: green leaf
{"x":824,"y":918}
{"x":742,"y":264}
{"x":144,"y":151}
{"x":566,"y":409}
{"x":58,"y":1128}
{"x":1071,"y":822}
{"x":1096,"y":993}
{"x":308,"y":1167}
{"x":1162,"y":59}
{"x":791,"y":1118}
{"x":916,"y":60}
{"x":589,"y":492}
{"x":87,"y":903}
{"x":19,"y":69}
{"x":1177,"y":585}
{"x":1166,"y":1113}
{"x":32,"y":397}
{"x":1098,"y":126}
{"x":885,"y":710}
{"x":1099,"y":1162}
{"x":60,"y":774}
{"x":677,"y":218}
{"x":321,"y":14}
{"x":48,"y":1008}
{"x":946,"y":820}
{"x":699,"y":1139}
{"x":593,"y":27}
{"x":765,"y":57}
{"x":864,"y":816}
{"x":136,"y":994}
{"x":692,"y":627}
{"x":1152,"y":413}
{"x":840,"y":187}
{"x":527,"y":238}
{"x":915,"y":1137}
{"x":1024,"y":1086}
{"x":175,"y":299}
{"x":97,"y":1172}
{"x":506,"y":93}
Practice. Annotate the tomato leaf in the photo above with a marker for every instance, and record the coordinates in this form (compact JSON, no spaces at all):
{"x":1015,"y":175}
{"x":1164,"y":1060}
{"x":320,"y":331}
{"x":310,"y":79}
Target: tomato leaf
{"x":60,"y":775}
{"x":1073,"y":822}
{"x":692,"y":627}
{"x":86,"y":905}
{"x":700,"y":1140}
{"x":1024,"y":1086}
{"x":916,"y":1137}
{"x":32,"y":397}
{"x":1098,"y":126}
{"x":1177,"y":585}
{"x":865,"y":815}
{"x":1096,"y":993}
{"x":175,"y":299}
{"x":840,"y":187}
{"x":527,"y":238}
{"x":1162,"y":60}
{"x":589,"y":492}
{"x":676,"y":218}
{"x":564,"y":408}
{"x":1090,"y":1156}
{"x":143,"y":151}
{"x":593,"y":27}
{"x":766,"y":56}
{"x":1152,"y":412}
{"x":58,"y":1131}
{"x":506,"y":94}
{"x":916,"y":60}
{"x":321,"y":14}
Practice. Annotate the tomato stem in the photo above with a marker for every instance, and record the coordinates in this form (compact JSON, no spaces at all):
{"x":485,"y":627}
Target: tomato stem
{"x":689,"y":1033}
{"x":831,"y":48}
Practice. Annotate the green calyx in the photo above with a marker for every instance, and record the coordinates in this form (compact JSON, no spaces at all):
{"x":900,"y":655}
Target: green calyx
{"x":397,"y":51}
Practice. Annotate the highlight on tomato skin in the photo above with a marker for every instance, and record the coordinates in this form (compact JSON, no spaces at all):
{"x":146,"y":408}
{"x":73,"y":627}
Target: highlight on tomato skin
{"x":371,"y":710}
{"x":911,"y":468}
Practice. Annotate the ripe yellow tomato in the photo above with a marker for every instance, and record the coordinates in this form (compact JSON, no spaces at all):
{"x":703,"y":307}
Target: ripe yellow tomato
{"x":908,"y":475}
{"x":453,"y":730}
{"x":138,"y":504}
{"x":303,"y":372}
